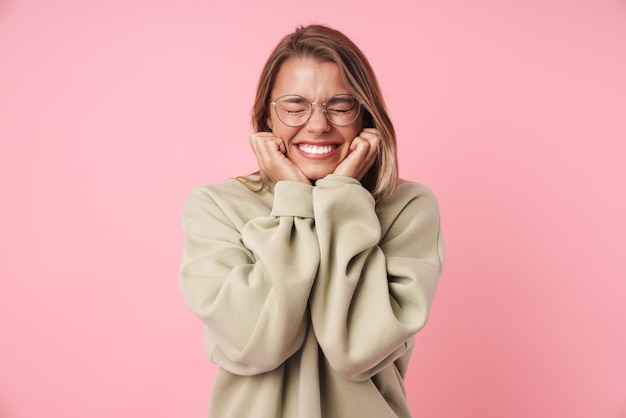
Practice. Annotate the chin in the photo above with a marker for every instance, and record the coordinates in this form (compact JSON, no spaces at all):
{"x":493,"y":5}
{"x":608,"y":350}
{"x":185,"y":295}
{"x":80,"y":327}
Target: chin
{"x":317,"y":174}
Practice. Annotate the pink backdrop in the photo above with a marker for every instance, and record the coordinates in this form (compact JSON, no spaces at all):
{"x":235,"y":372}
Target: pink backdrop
{"x":513,"y":112}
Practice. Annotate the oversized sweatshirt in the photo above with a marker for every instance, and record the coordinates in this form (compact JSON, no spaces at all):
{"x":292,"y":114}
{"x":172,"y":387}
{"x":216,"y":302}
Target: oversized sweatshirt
{"x":311,"y":296}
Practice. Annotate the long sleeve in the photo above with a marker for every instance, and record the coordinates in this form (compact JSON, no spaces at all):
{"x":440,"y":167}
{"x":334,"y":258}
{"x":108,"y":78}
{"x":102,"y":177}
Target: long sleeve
{"x":247,"y":272}
{"x":379,"y":270}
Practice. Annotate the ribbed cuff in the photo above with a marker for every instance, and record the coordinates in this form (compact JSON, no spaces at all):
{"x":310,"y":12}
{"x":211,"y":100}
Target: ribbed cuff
{"x":292,"y":198}
{"x":334,"y":180}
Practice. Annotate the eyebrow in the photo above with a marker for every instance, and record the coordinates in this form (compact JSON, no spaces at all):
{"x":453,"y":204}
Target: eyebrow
{"x":294,"y":99}
{"x":341,"y":98}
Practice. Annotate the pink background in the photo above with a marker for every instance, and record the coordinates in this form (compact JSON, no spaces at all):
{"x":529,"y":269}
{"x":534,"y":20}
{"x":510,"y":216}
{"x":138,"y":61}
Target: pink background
{"x":513,"y":112}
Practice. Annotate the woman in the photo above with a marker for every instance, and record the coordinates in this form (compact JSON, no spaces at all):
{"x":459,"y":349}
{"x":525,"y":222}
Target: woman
{"x":313,"y":275}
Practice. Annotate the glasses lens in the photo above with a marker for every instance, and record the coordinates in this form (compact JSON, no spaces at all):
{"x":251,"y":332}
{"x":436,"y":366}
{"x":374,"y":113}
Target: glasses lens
{"x":293,"y":110}
{"x":342,"y":109}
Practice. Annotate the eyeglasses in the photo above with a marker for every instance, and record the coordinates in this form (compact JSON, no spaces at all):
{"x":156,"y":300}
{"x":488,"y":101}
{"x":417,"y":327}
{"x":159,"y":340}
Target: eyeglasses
{"x":294,"y":110}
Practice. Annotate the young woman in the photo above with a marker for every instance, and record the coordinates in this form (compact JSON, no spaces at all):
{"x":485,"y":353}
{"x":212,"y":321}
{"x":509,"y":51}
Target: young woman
{"x":313,"y":275}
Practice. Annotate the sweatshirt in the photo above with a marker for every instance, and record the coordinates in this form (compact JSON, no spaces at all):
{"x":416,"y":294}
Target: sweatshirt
{"x":310,"y":296}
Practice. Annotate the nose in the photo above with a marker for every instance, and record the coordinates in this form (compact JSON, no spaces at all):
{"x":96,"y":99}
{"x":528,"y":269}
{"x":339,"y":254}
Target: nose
{"x":317,"y":123}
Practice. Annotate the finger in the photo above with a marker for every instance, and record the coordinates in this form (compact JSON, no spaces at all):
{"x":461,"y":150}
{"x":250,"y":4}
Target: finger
{"x":371,"y":130}
{"x":355,"y":143}
{"x":258,"y":138}
{"x":371,"y":135}
{"x":266,"y":142}
{"x":260,"y":135}
{"x":374,"y":138}
{"x":265,"y":148}
{"x":363,"y":145}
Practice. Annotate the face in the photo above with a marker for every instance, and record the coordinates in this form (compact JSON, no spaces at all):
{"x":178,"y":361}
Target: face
{"x":318,"y":146}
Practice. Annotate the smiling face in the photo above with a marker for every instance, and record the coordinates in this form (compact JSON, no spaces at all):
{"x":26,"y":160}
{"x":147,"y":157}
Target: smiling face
{"x":318,"y":146}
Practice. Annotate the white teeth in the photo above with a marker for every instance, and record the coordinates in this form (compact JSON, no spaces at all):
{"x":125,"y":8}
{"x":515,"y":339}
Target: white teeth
{"x":315,"y":149}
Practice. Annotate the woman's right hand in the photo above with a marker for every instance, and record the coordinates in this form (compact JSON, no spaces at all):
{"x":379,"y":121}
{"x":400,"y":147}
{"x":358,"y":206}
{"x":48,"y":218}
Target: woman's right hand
{"x":271,"y":156}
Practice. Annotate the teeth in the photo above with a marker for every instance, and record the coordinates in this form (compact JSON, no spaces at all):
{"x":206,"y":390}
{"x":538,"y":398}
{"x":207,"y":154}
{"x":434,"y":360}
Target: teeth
{"x":314,"y":149}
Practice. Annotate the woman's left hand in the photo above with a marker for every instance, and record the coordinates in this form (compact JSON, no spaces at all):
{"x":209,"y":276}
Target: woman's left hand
{"x":363,"y":154}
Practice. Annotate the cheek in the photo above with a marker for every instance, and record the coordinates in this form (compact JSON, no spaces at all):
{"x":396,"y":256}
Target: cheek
{"x":286,"y":133}
{"x":349,"y":135}
{"x":270,"y":120}
{"x":354,"y":130}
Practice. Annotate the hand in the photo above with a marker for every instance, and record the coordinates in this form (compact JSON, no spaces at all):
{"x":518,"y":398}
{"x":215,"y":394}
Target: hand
{"x":362,"y":156}
{"x":270,"y":154}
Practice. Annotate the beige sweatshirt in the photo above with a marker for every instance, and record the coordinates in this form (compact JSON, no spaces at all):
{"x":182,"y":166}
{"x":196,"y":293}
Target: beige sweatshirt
{"x":311,"y":296}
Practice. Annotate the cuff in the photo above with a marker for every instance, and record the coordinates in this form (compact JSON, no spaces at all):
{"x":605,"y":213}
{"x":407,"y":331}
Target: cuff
{"x":292,"y":198}
{"x":334,"y":180}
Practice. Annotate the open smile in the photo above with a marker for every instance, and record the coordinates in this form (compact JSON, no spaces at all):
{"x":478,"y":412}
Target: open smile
{"x":317,"y":149}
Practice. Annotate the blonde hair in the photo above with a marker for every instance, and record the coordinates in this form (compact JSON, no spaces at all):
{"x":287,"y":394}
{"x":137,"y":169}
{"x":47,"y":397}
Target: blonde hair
{"x":329,"y":45}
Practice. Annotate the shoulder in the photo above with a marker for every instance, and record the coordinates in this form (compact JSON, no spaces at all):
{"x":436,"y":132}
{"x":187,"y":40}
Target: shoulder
{"x":408,"y":191}
{"x":231,"y":190}
{"x":413,"y":209}
{"x":411,"y":199}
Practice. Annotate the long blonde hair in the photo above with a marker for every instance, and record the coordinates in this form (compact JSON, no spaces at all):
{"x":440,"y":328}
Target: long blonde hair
{"x":329,"y":45}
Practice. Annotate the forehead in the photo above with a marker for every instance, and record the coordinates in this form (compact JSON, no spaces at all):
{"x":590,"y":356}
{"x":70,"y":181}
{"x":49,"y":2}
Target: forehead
{"x":309,"y":78}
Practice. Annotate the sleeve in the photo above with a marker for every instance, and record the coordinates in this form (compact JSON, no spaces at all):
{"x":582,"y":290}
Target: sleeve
{"x":373,"y":293}
{"x":250,"y":287}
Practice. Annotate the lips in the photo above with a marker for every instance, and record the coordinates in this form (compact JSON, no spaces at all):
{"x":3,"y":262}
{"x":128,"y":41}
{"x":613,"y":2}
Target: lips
{"x":316,"y":149}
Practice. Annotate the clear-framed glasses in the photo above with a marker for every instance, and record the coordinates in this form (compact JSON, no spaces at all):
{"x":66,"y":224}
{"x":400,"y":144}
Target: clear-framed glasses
{"x":294,"y":110}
